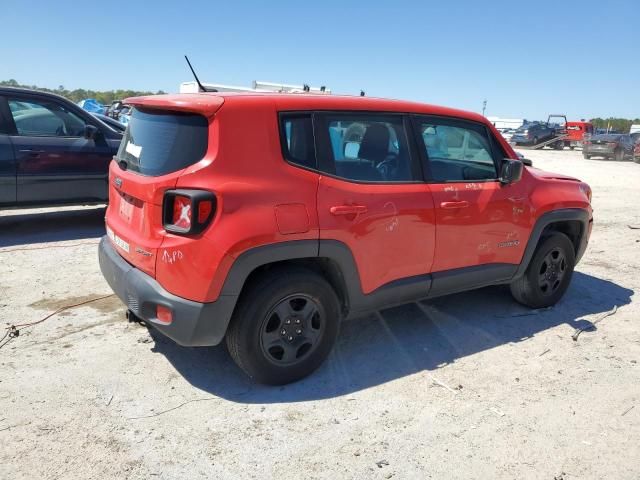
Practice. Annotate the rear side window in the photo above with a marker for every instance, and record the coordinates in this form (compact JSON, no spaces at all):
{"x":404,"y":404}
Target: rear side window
{"x":160,"y":142}
{"x":297,"y":140}
{"x":368,"y":148}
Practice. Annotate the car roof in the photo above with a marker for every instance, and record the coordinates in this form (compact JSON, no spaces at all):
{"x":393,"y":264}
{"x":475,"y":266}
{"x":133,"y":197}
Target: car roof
{"x":29,"y":91}
{"x":209,"y":102}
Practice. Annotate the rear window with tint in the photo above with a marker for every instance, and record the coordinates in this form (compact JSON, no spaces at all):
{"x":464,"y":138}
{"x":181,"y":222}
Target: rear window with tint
{"x":160,"y":142}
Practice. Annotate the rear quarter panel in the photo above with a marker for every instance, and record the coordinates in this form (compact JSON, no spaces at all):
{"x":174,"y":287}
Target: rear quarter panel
{"x":261,"y":199}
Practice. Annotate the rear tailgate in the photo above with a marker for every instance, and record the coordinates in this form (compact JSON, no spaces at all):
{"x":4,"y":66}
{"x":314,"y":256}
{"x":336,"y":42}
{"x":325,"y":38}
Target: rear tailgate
{"x":134,"y":215}
{"x":166,"y":134}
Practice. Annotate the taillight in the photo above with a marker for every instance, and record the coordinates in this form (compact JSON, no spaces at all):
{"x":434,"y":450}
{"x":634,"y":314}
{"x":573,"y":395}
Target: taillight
{"x":187,"y":211}
{"x":181,"y":217}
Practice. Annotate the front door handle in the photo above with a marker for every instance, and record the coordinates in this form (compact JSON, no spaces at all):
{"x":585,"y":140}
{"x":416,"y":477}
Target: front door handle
{"x":452,"y":205}
{"x":348,"y":209}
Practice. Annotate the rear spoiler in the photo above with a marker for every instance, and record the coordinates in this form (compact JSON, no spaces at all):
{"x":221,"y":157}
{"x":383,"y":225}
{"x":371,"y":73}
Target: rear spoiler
{"x":204,"y":104}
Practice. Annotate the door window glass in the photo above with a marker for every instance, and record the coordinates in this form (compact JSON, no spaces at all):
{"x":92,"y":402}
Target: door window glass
{"x":369,"y":148}
{"x":45,"y":119}
{"x":457,"y":153}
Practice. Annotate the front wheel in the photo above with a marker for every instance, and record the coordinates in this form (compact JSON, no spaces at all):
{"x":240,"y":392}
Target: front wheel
{"x":549,"y":273}
{"x":285,"y":326}
{"x":619,"y":155}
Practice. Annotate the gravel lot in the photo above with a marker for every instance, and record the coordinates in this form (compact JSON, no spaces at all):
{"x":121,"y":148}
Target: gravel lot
{"x":467,"y":386}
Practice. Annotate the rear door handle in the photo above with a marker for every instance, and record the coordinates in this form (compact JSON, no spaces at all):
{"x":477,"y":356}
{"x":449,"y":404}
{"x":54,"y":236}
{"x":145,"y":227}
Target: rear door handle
{"x":452,"y":205}
{"x":31,"y":151}
{"x":348,"y":209}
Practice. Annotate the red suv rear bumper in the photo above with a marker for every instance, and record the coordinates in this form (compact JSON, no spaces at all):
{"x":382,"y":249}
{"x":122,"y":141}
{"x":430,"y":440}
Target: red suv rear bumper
{"x":193,"y":323}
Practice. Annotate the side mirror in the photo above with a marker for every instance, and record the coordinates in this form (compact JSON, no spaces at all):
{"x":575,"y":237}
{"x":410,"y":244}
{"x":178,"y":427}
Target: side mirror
{"x":528,"y":162}
{"x":90,"y":132}
{"x":511,"y":171}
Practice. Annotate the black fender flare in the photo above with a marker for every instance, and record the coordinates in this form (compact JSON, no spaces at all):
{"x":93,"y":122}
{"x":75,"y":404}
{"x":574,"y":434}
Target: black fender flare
{"x":548,"y":218}
{"x":345,"y":276}
{"x":336,"y":251}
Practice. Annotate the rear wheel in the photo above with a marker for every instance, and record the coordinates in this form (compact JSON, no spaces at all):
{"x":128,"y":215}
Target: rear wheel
{"x":285,"y":326}
{"x":548,"y":274}
{"x":586,"y":156}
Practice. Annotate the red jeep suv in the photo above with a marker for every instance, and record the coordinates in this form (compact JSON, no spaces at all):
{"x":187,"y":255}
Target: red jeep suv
{"x":268,"y":219}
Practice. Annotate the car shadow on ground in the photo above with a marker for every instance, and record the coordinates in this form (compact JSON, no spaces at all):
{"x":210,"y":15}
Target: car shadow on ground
{"x":21,"y":228}
{"x":402,"y":341}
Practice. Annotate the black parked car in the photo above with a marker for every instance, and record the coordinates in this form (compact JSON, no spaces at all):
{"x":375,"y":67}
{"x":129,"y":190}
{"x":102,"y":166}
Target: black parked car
{"x":52,"y":152}
{"x":114,"y":124}
{"x":615,"y":146}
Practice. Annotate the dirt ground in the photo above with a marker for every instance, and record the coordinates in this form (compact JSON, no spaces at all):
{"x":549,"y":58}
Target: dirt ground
{"x":467,"y":386}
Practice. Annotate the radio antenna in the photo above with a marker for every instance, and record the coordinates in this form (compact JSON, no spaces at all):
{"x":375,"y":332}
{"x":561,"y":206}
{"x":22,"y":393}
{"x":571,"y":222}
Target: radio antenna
{"x":200,"y":86}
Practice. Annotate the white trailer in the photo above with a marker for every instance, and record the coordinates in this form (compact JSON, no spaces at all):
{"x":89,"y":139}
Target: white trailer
{"x":504,"y":123}
{"x":256,"y":86}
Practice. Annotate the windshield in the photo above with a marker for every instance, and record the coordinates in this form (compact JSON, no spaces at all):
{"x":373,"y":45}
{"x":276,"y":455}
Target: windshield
{"x":160,"y":142}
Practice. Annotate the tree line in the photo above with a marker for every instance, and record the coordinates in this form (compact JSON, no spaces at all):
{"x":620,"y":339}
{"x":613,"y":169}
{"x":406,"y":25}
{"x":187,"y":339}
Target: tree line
{"x":622,"y":125}
{"x":78,"y":94}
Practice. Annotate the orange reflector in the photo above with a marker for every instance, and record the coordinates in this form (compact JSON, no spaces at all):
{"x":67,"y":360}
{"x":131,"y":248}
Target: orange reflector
{"x":204,"y":210}
{"x":164,"y":315}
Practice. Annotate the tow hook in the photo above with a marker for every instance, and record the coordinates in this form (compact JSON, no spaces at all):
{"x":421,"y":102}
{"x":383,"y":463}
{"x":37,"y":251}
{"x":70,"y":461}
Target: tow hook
{"x":133,"y":318}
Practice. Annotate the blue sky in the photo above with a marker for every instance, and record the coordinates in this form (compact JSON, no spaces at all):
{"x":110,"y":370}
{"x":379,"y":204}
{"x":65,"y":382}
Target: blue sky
{"x":527,"y":59}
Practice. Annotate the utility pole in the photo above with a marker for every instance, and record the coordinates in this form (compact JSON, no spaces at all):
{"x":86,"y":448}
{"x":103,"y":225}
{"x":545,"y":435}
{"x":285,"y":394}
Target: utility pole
{"x":484,"y":107}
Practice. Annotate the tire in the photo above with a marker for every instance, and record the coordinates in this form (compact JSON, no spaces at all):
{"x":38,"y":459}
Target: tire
{"x":619,"y":155}
{"x":586,"y":156}
{"x":285,"y":326}
{"x":571,"y":147}
{"x":535,"y":141}
{"x":549,"y":273}
{"x":636,"y":159}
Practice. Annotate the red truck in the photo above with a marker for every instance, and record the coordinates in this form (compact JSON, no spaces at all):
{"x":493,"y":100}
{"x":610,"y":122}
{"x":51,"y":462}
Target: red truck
{"x":265,"y":220}
{"x":576,"y":132}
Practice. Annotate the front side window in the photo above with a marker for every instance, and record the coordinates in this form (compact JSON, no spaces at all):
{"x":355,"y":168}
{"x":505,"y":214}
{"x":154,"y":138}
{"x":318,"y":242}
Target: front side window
{"x":368,"y":148}
{"x":457,"y":152}
{"x":45,"y":119}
